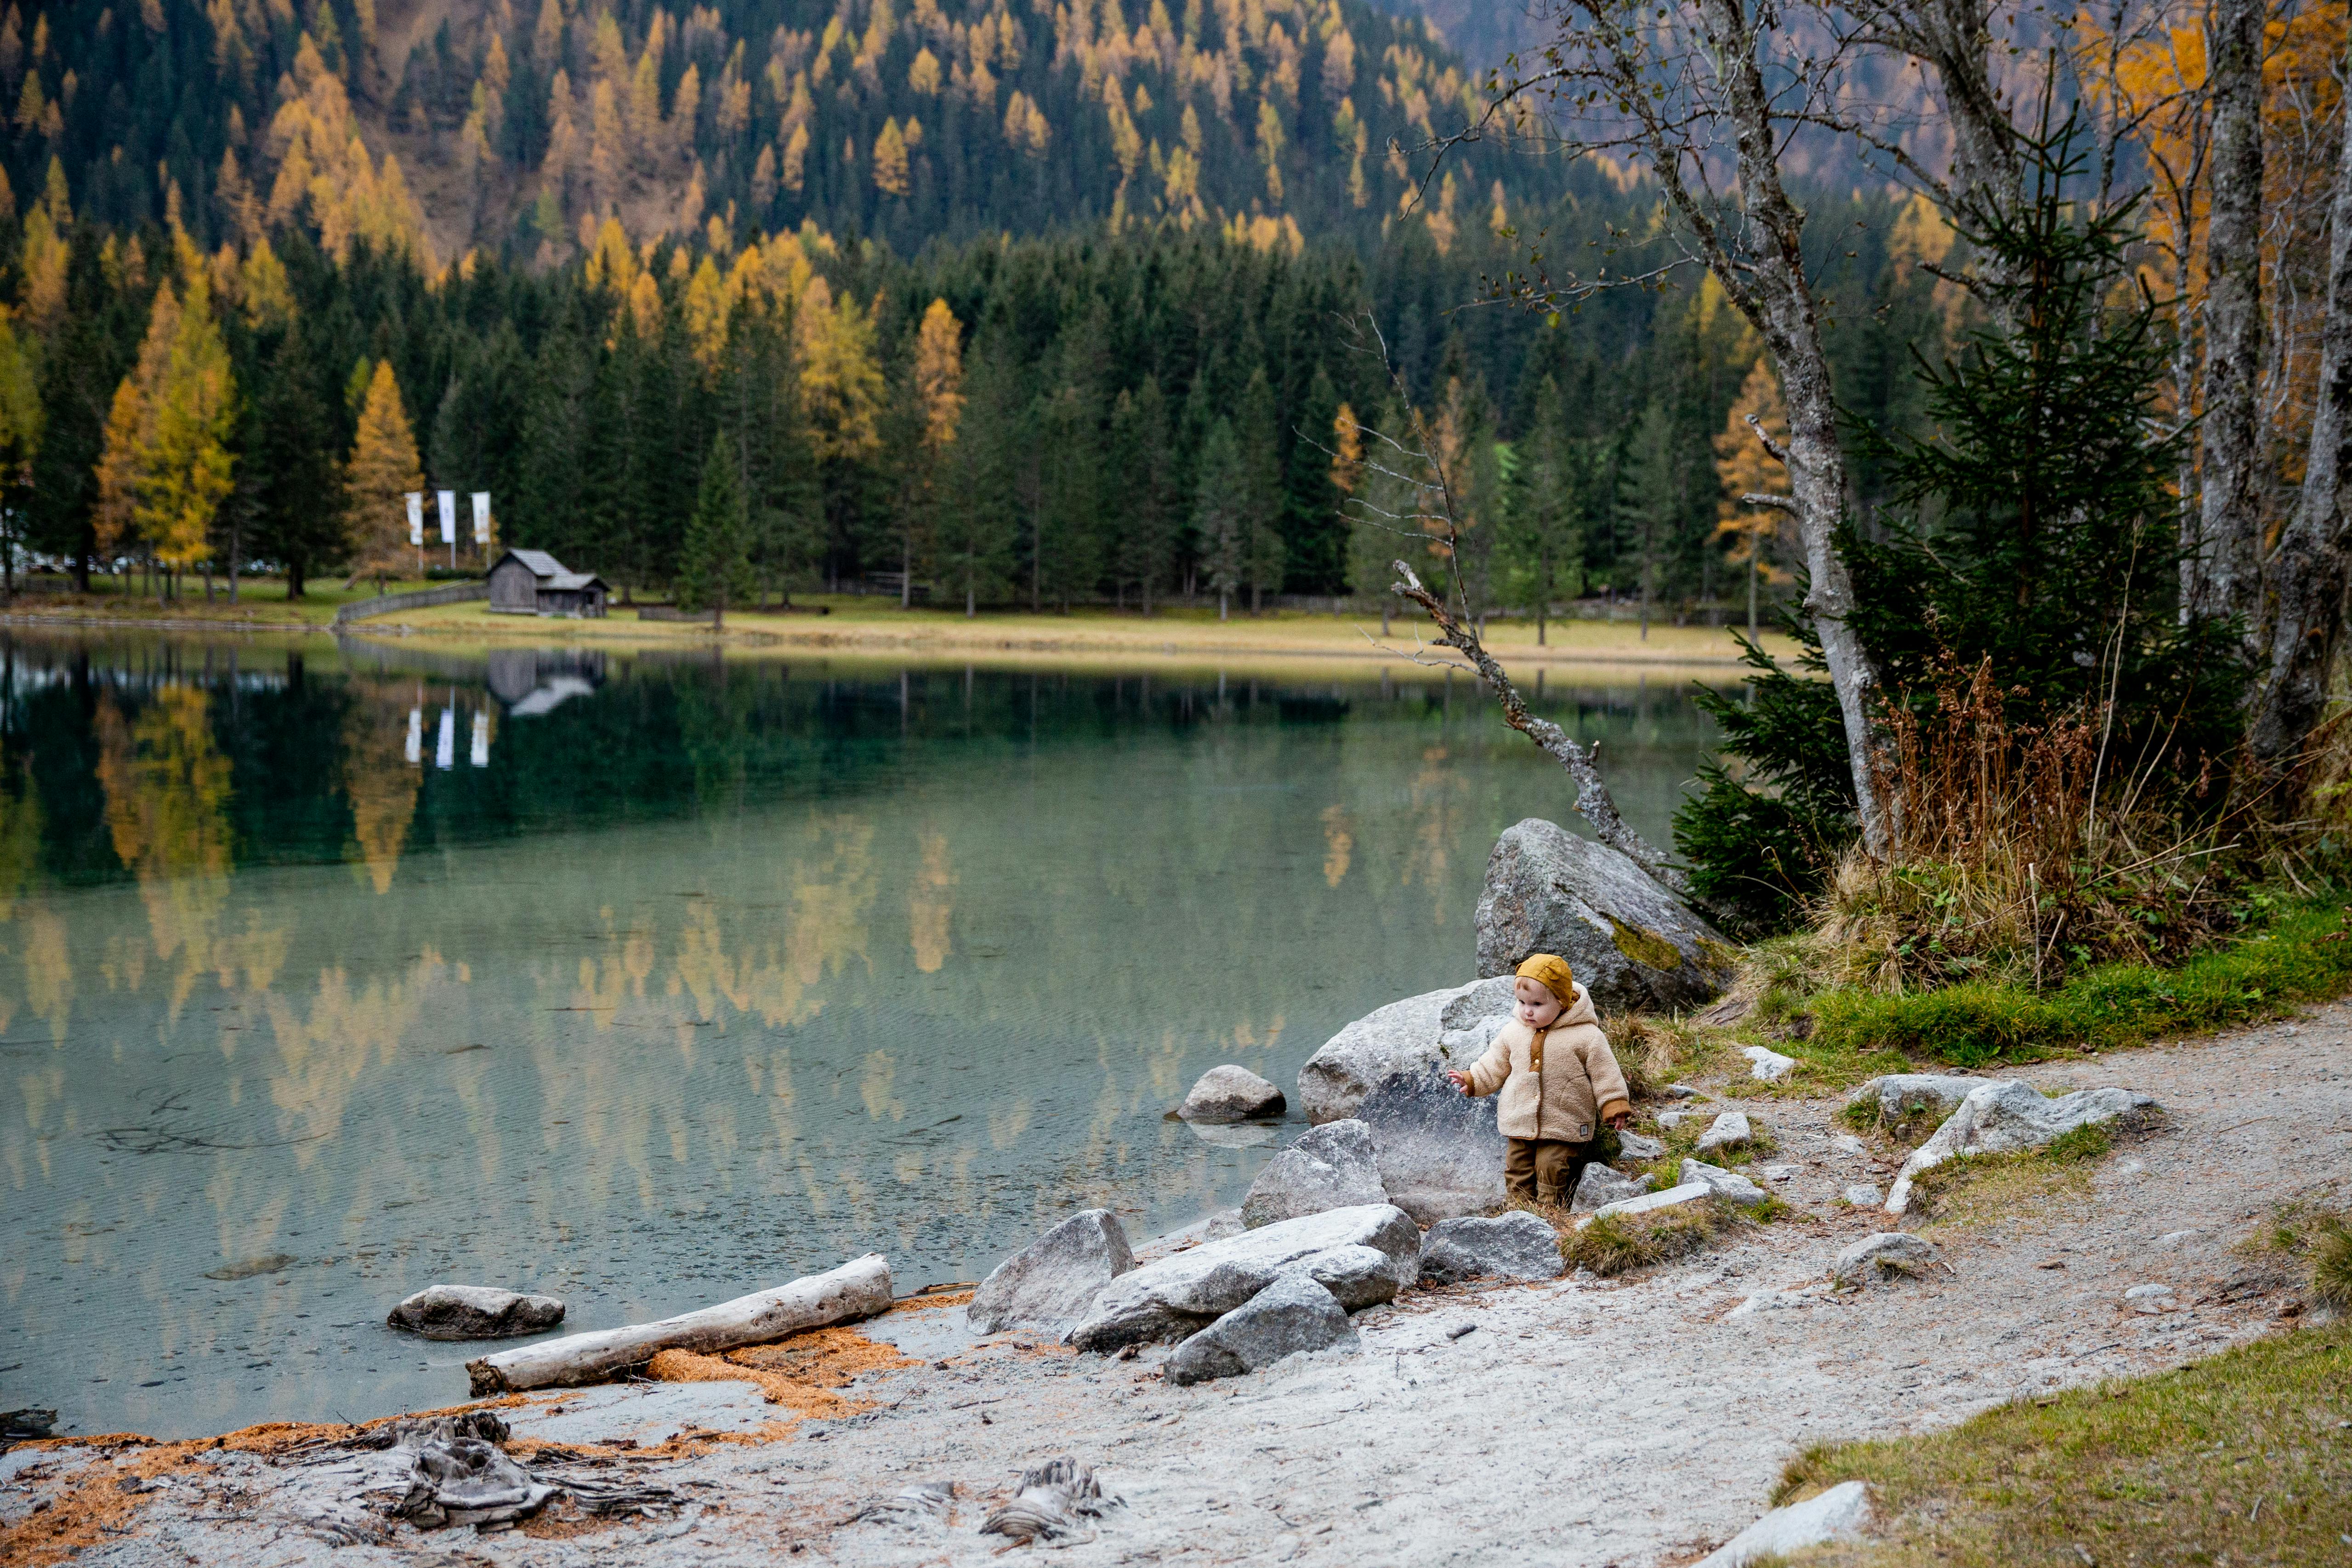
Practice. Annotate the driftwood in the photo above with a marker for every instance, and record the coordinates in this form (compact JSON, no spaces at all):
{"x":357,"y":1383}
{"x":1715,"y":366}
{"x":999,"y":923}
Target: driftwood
{"x":858,"y":1289}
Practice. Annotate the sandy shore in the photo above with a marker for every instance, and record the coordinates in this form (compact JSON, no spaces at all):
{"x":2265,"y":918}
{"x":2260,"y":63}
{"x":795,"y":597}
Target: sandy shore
{"x":1589,"y":1422}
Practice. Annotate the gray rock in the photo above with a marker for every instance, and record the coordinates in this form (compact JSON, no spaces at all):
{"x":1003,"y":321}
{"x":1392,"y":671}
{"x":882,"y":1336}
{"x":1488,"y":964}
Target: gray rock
{"x":1863,"y":1196}
{"x":1600,"y":1185}
{"x":1680,"y":1091}
{"x":1172,"y":1297}
{"x":1633,"y":1146}
{"x":1231,"y":1094}
{"x":1291,"y":1314}
{"x":1726,"y":1132}
{"x":1841,"y":1513}
{"x":1876,"y":1259}
{"x":474,"y":1312}
{"x":1648,"y":1203}
{"x":2150,"y":1299}
{"x":1670,"y":1120}
{"x":1403,"y":1036}
{"x":1049,"y":1283}
{"x":1904,"y":1100}
{"x":1464,"y":1045}
{"x":1216,"y":1225}
{"x":1780,"y":1172}
{"x":1769,"y":1066}
{"x":1514,"y":1246}
{"x":1723,"y":1184}
{"x":1847,"y":1143}
{"x":1631,"y":942}
{"x":1440,"y":1152}
{"x":1332,"y":1167}
{"x":2010,"y":1113}
{"x":1357,"y":1277}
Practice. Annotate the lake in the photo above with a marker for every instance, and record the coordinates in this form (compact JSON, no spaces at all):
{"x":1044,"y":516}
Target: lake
{"x":328,"y":973}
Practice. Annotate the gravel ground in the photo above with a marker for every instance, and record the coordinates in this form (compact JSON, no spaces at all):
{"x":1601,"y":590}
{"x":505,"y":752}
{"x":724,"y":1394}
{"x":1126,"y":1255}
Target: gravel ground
{"x":1632,"y":1423}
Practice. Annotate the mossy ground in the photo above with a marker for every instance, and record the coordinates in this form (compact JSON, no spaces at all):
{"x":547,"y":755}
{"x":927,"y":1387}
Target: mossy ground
{"x":2243,"y":1458}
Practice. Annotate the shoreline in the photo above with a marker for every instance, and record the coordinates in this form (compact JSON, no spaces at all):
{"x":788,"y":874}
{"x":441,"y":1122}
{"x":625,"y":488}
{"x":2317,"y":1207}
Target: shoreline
{"x":1616,"y":1391}
{"x":1309,"y":640}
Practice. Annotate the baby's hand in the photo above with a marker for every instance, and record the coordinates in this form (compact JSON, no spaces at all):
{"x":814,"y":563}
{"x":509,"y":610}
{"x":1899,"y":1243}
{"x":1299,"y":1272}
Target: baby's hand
{"x":1461,"y":1080}
{"x":1622,"y":1121}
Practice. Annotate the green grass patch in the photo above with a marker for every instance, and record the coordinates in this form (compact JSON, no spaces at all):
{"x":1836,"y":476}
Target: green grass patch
{"x":2300,"y":956}
{"x":2243,"y":1458}
{"x":1977,"y":1188}
{"x":2320,"y":1240}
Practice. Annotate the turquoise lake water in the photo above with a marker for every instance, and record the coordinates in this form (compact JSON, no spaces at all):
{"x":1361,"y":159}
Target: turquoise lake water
{"x":328,"y":975}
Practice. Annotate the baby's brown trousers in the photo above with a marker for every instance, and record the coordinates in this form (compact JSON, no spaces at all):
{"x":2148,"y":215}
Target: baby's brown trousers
{"x":1545,"y":1169}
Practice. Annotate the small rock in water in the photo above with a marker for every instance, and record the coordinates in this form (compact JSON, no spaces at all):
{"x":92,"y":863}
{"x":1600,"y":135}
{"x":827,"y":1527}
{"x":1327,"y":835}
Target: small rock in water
{"x":1230,"y":1093}
{"x":1599,"y":1185}
{"x":1863,"y":1195}
{"x":1768,"y":1066}
{"x":1726,"y":1131}
{"x":1633,"y":1146}
{"x":1290,"y":1315}
{"x":1332,"y":1166}
{"x":1049,"y":1283}
{"x":1876,"y":1259}
{"x":1723,"y":1184}
{"x":1514,"y":1246}
{"x":474,"y":1312}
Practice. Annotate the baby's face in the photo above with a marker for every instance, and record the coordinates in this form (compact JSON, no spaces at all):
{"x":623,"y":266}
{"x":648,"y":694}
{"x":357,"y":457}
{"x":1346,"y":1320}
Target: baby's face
{"x":1538,"y":1006}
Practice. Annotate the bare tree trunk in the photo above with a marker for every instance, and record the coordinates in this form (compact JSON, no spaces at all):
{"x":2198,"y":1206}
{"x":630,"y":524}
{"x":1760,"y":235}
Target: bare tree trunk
{"x":1593,"y":801}
{"x":2225,"y":562}
{"x":2308,"y":571}
{"x":1773,"y":291}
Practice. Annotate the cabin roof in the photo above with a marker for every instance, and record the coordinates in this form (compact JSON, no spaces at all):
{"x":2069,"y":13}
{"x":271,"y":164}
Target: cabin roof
{"x":540,"y":564}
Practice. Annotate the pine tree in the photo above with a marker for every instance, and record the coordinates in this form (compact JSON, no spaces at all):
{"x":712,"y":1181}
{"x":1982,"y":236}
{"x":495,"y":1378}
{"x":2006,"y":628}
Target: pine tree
{"x":22,"y":419}
{"x":1541,"y":529}
{"x":382,"y":471}
{"x":715,"y":562}
{"x":1141,"y":458}
{"x":292,"y":485}
{"x":1263,"y":552}
{"x":1221,"y":513}
{"x":976,"y":527}
{"x":935,"y":400}
{"x":1651,"y":498}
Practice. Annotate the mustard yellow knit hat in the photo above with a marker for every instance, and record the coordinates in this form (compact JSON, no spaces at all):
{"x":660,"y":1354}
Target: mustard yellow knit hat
{"x":1550,"y":971}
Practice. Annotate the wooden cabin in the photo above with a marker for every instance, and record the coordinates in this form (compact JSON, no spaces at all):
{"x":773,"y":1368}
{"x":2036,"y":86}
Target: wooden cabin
{"x":533,"y":583}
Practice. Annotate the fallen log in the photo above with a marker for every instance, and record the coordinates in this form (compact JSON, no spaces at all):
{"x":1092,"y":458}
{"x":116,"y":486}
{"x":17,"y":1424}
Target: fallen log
{"x":858,"y":1289}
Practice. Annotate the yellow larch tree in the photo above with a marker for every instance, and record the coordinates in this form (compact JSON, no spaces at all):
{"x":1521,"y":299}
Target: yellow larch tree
{"x":187,"y":469}
{"x":939,"y":374}
{"x":383,"y":470}
{"x":841,"y":382}
{"x":1745,"y":468}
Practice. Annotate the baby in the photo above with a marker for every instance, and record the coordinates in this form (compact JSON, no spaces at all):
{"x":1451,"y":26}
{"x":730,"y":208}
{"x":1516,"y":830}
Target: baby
{"x":1560,"y":1083}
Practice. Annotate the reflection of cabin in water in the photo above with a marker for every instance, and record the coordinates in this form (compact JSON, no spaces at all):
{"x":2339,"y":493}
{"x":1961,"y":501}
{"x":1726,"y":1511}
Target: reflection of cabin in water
{"x":531,"y":681}
{"x":533,"y":583}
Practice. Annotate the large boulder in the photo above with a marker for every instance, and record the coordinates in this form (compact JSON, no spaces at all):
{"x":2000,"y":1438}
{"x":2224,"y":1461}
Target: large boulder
{"x":1632,"y":944}
{"x":1291,"y":1314}
{"x":1514,"y":1246}
{"x":1231,"y":1094}
{"x":1332,"y":1167}
{"x":1049,"y":1283}
{"x":1174,"y":1296}
{"x":1440,"y":1152}
{"x":474,"y":1312}
{"x":1435,"y":1027}
{"x":1359,"y":1277}
{"x":2010,"y":1113}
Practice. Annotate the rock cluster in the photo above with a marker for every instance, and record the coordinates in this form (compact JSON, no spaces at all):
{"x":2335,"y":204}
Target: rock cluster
{"x":2006,"y":1114}
{"x":474,"y":1312}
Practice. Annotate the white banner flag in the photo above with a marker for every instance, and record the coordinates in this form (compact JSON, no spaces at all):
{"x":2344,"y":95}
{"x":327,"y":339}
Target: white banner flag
{"x":447,"y":501}
{"x":481,"y":517}
{"x":480,"y":754}
{"x":416,"y":752}
{"x":415,"y":517}
{"x":445,"y":749}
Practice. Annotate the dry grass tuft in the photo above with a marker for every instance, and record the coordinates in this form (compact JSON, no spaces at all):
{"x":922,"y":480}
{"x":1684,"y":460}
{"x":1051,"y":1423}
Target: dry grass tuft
{"x":1617,"y":1244}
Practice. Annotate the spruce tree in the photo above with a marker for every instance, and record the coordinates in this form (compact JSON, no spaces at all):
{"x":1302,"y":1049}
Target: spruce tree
{"x":291,"y":484}
{"x":715,"y":559}
{"x":1541,"y":532}
{"x":1221,"y":515}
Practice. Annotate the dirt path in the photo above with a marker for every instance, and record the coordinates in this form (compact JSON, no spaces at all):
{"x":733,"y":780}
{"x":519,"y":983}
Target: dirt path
{"x":1593,"y":1422}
